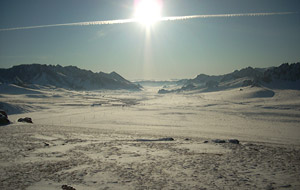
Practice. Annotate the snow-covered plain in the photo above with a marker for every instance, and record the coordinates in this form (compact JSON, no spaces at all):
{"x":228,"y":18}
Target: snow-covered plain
{"x":87,"y":139}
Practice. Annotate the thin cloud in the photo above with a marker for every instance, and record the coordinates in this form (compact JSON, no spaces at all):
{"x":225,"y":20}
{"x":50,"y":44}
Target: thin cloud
{"x":124,"y":21}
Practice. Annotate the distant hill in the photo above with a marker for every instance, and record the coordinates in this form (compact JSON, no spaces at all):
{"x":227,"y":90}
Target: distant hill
{"x":286,"y":76}
{"x":69,"y":77}
{"x":158,"y":83}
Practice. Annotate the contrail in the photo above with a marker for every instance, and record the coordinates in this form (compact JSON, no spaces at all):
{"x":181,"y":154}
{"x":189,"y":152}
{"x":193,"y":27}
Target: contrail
{"x":223,"y":15}
{"x":89,"y":23}
{"x":123,"y":21}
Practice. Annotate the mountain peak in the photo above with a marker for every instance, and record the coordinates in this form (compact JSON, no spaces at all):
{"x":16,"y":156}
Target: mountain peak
{"x":69,"y":77}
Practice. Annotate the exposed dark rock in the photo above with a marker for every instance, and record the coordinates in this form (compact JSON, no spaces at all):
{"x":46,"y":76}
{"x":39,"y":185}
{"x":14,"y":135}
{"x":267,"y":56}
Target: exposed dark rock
{"x":26,"y":120}
{"x":95,"y":104}
{"x":67,"y":187}
{"x":3,"y":113}
{"x":211,"y":84}
{"x":287,"y":72}
{"x":189,"y":86}
{"x":163,"y":91}
{"x":256,"y":83}
{"x":234,"y":141}
{"x":218,"y":141}
{"x":166,"y":139}
{"x":286,"y":186}
{"x":249,"y":72}
{"x":4,"y":120}
{"x":247,"y":82}
{"x":46,"y":144}
{"x":161,"y":139}
{"x":205,"y":142}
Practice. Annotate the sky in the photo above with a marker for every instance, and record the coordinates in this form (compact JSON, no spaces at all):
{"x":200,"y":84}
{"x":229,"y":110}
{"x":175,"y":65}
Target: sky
{"x":164,"y":50}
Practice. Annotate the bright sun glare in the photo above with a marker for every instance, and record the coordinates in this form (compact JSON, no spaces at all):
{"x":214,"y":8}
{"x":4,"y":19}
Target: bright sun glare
{"x":148,"y":12}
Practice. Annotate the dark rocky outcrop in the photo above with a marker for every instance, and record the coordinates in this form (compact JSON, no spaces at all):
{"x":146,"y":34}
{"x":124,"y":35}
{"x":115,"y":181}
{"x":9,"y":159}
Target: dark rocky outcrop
{"x":218,"y":141}
{"x":25,"y":120}
{"x":67,"y":187}
{"x":161,"y":139}
{"x":211,"y":84}
{"x":163,"y":91}
{"x":234,"y":141}
{"x":286,"y":72}
{"x":189,"y":87}
{"x":3,"y":118}
{"x":3,"y":113}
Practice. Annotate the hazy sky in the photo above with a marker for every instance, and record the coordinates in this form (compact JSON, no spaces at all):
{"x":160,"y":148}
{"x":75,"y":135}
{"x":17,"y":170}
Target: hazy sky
{"x":166,"y":50}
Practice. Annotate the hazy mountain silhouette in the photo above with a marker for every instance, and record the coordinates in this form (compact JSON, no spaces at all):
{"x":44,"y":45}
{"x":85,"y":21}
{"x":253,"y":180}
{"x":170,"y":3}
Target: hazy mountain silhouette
{"x":69,"y":77}
{"x":286,"y":76}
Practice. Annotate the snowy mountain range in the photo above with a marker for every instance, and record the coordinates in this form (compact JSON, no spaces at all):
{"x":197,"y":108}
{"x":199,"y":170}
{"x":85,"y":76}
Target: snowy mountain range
{"x":286,"y":76}
{"x":69,"y":77}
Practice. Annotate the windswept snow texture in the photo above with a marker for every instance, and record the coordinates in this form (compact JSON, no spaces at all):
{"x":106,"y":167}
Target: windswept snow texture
{"x":112,"y":140}
{"x":69,"y":77}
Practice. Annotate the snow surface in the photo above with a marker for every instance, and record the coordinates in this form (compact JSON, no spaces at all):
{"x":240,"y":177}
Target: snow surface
{"x":86,"y":139}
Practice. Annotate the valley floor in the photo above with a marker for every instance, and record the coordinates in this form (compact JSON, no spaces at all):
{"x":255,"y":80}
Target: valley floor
{"x":89,"y":140}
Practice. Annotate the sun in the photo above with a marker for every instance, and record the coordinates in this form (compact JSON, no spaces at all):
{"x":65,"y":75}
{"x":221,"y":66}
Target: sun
{"x":147,"y":12}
